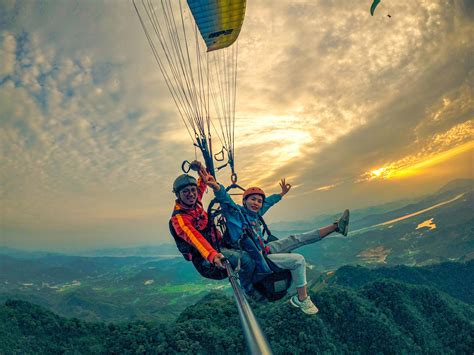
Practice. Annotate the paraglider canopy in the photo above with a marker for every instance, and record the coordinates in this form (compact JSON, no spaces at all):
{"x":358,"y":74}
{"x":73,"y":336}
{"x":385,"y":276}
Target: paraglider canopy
{"x":219,"y":22}
{"x":374,"y":5}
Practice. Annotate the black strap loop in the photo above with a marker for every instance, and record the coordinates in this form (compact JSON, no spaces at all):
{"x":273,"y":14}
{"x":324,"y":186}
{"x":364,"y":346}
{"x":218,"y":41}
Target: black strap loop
{"x":183,"y":166}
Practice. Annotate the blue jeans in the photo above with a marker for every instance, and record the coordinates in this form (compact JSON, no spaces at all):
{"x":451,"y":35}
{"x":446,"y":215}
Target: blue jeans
{"x":261,"y":265}
{"x":247,"y":266}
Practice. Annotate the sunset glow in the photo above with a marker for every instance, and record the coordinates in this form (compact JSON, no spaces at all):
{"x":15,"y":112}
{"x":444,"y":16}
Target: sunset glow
{"x":399,"y":170}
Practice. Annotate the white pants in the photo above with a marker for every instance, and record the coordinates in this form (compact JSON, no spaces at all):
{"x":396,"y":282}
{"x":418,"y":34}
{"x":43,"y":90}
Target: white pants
{"x":280,"y":256}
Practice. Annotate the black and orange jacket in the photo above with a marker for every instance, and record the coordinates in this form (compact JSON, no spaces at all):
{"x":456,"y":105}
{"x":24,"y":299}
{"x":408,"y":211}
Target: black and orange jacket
{"x":190,"y":224}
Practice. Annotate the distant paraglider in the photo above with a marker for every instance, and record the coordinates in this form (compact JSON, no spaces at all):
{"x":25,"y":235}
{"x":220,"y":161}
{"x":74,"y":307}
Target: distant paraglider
{"x":374,"y":5}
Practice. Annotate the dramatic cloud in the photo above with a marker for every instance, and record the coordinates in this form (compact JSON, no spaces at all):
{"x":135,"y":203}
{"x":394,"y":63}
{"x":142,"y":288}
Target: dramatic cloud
{"x":345,"y":105}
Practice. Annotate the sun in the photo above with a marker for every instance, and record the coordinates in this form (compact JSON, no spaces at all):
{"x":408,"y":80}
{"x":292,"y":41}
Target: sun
{"x":385,"y":172}
{"x":378,"y":172}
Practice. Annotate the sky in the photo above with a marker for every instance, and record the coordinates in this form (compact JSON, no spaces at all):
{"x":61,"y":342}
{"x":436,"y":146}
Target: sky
{"x":354,"y":110}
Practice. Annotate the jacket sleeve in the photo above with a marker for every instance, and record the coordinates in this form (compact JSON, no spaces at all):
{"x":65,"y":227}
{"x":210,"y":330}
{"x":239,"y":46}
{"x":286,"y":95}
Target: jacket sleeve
{"x":269,"y":202}
{"x":184,"y":228}
{"x":233,"y":215}
{"x":201,"y":188}
{"x":224,"y":198}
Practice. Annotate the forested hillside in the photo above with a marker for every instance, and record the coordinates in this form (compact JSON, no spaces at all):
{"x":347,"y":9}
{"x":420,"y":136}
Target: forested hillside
{"x":148,"y":284}
{"x":380,"y":315}
{"x":456,"y":279}
{"x":110,"y":289}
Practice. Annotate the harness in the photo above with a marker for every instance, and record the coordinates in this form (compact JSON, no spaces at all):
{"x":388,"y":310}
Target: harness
{"x":190,"y":253}
{"x":275,"y":285}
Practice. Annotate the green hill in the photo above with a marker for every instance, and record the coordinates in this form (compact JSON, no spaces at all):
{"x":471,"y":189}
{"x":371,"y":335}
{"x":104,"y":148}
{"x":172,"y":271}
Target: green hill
{"x":455,"y":279}
{"x":104,"y":288}
{"x":376,"y":314}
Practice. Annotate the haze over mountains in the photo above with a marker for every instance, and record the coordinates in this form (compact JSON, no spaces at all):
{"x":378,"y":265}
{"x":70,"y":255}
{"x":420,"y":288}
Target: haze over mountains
{"x":361,"y":218}
{"x":148,"y":283}
{"x":123,"y":283}
{"x":370,"y":295}
{"x":437,"y":228}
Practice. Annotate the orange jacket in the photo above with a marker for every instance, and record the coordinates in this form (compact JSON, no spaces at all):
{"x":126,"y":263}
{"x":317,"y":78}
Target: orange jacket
{"x":190,"y":225}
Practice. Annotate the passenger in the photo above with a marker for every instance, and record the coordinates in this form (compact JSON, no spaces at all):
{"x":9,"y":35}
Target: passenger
{"x":245,"y":220}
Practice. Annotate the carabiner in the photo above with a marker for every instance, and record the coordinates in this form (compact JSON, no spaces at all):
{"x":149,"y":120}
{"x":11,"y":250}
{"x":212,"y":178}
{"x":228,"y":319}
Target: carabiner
{"x":183,"y":166}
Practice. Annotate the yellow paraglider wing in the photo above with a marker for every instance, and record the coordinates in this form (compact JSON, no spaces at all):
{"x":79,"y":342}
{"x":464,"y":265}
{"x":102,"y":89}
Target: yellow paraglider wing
{"x":219,"y":21}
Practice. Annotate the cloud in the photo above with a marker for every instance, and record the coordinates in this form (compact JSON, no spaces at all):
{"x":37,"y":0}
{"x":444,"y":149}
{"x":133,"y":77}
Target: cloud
{"x":383,"y":89}
{"x":7,"y":53}
{"x":90,"y":135}
{"x":74,"y":131}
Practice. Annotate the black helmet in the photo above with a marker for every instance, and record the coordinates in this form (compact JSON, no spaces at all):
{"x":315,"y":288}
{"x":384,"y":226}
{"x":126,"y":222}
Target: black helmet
{"x":182,"y":181}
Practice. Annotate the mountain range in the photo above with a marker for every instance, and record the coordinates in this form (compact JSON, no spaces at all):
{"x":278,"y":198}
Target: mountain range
{"x":412,"y":310}
{"x":438,"y":228}
{"x":149,"y":283}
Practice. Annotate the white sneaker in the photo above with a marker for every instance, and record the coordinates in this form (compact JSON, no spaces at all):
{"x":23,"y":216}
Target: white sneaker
{"x":307,"y":306}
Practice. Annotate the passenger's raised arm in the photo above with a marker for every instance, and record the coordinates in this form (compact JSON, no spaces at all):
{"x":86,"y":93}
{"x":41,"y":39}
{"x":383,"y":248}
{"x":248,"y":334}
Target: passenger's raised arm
{"x":284,"y":187}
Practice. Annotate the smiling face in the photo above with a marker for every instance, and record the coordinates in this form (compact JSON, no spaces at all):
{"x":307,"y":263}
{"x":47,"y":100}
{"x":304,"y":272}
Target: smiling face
{"x":254,"y":202}
{"x":188,"y":195}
